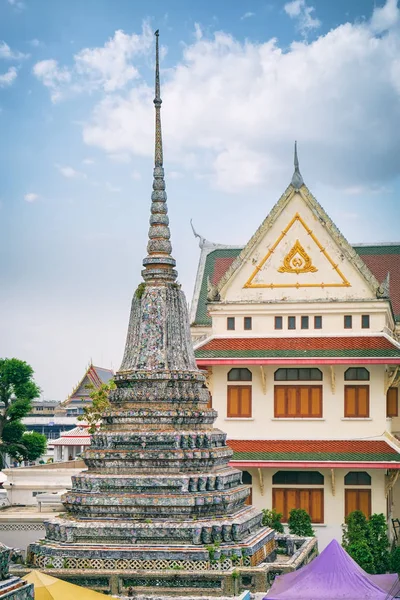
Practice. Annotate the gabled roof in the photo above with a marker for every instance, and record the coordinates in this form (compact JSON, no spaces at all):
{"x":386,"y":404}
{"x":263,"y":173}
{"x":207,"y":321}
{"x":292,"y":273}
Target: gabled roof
{"x":340,"y":452}
{"x":381,"y":259}
{"x":79,"y":436}
{"x":370,"y":349}
{"x":94,"y":375}
{"x":322,"y":217}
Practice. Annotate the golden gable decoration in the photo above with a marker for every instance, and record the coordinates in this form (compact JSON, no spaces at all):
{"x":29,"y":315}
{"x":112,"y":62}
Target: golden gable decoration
{"x":297,"y":261}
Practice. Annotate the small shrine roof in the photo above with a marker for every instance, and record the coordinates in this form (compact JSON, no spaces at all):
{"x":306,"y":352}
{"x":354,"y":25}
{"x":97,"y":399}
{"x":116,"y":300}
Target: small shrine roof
{"x":79,"y":436}
{"x":341,"y":453}
{"x":338,"y":349}
{"x":381,"y":259}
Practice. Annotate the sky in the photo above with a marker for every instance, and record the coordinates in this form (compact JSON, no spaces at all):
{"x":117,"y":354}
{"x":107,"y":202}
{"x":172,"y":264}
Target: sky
{"x":240,"y":81}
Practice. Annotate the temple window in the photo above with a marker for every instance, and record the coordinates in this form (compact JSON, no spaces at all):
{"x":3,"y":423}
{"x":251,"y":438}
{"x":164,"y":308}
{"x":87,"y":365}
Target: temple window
{"x":392,"y":402}
{"x":239,"y":401}
{"x":247,"y":323}
{"x":248,"y":480}
{"x":298,"y":402}
{"x":230,"y":323}
{"x":357,"y":478}
{"x":298,"y":375}
{"x":278,"y":323}
{"x":356,"y":374}
{"x":298,"y":478}
{"x":356,"y":401}
{"x":357,"y":499}
{"x":309,"y":499}
{"x":291,"y":323}
{"x":348,"y":321}
{"x":365,"y":321}
{"x":318,"y":322}
{"x":240,"y":375}
{"x":304,"y":322}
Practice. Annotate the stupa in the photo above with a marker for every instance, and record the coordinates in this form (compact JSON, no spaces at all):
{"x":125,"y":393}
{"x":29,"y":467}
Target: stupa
{"x":158,"y":511}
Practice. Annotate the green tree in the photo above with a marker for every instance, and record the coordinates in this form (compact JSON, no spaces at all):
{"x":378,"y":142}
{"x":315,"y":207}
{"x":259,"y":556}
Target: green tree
{"x":17,"y":390}
{"x":100,"y":403}
{"x":355,"y":529}
{"x":360,"y":551}
{"x":272,"y":518}
{"x":378,"y":542}
{"x":300,"y":523}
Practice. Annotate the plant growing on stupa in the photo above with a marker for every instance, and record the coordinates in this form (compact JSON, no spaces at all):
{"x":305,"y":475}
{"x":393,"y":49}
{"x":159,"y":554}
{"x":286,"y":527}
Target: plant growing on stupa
{"x":100,"y":403}
{"x":272,"y":518}
{"x":300,"y":523}
{"x":17,"y":390}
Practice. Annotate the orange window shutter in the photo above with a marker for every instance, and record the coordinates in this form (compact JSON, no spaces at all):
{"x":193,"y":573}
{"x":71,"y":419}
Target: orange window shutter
{"x":292,"y":500}
{"x":233,"y":401}
{"x":316,"y":401}
{"x":292,"y":393}
{"x":278,"y":502}
{"x":305,"y":397}
{"x":317,"y":506}
{"x":245,"y":401}
{"x":351,"y":501}
{"x":305,"y":500}
{"x":280,"y":404}
{"x":392,"y":407}
{"x":350,"y":401}
{"x":363,"y":401}
{"x":364,"y":502}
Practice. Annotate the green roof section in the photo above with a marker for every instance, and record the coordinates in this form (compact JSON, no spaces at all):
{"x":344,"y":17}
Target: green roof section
{"x":202,"y":317}
{"x":317,"y":456}
{"x":377,"y":250}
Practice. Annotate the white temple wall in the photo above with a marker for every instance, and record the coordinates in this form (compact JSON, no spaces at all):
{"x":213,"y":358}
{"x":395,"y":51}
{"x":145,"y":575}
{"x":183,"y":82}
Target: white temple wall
{"x":332,"y":425}
{"x":334,"y":498}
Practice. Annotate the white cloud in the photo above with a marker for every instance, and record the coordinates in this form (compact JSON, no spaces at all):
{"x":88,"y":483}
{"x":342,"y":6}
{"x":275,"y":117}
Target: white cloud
{"x":299,"y":10}
{"x":35,"y":43}
{"x":232,"y":110}
{"x":108,"y":68}
{"x":31,"y":197}
{"x":7,"y":53}
{"x":8,"y":78}
{"x":52,"y":76}
{"x":247,"y":15}
{"x":18,"y":4}
{"x":70,"y":173}
{"x":88,"y":161}
{"x":136,"y":175}
{"x":385,"y":17}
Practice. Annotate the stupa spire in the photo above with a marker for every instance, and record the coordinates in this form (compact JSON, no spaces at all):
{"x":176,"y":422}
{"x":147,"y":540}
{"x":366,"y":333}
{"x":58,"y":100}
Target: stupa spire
{"x":297,"y":179}
{"x":159,"y":264}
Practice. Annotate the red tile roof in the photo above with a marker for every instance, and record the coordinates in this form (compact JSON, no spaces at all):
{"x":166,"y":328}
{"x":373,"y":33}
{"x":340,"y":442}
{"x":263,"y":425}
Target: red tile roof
{"x":381,"y":265}
{"x":313,"y":450}
{"x":299,"y":347}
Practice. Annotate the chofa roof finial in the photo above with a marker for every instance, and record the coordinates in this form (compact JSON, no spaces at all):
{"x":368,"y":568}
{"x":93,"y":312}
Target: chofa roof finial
{"x":297,"y":180}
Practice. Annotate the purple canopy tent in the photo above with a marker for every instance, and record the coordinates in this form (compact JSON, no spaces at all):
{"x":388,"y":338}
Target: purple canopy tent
{"x":334,"y":575}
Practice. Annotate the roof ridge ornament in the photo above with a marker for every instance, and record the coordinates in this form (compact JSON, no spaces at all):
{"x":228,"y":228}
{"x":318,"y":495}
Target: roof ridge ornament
{"x":297,"y":179}
{"x":158,"y":264}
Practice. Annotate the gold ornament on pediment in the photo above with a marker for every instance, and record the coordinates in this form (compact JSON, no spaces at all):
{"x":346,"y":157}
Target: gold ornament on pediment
{"x":297,"y":261}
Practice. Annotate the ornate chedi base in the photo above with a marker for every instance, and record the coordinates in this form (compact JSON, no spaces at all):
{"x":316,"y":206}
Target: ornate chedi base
{"x":11,"y":586}
{"x":159,"y":506}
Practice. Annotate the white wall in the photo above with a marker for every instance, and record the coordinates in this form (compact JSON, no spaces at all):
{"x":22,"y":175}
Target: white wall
{"x":333,"y":504}
{"x":333,"y":424}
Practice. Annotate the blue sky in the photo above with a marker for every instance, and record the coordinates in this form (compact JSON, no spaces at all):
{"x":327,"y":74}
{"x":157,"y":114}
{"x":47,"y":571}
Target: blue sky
{"x":240,"y":81}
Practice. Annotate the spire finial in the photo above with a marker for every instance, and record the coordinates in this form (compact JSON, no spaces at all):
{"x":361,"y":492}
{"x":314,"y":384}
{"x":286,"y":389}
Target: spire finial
{"x":297,"y":180}
{"x":159,"y":264}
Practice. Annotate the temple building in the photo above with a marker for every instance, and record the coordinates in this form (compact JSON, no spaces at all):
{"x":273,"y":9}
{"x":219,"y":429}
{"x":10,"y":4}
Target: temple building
{"x":159,"y":511}
{"x":299,"y":332}
{"x":79,"y":398}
